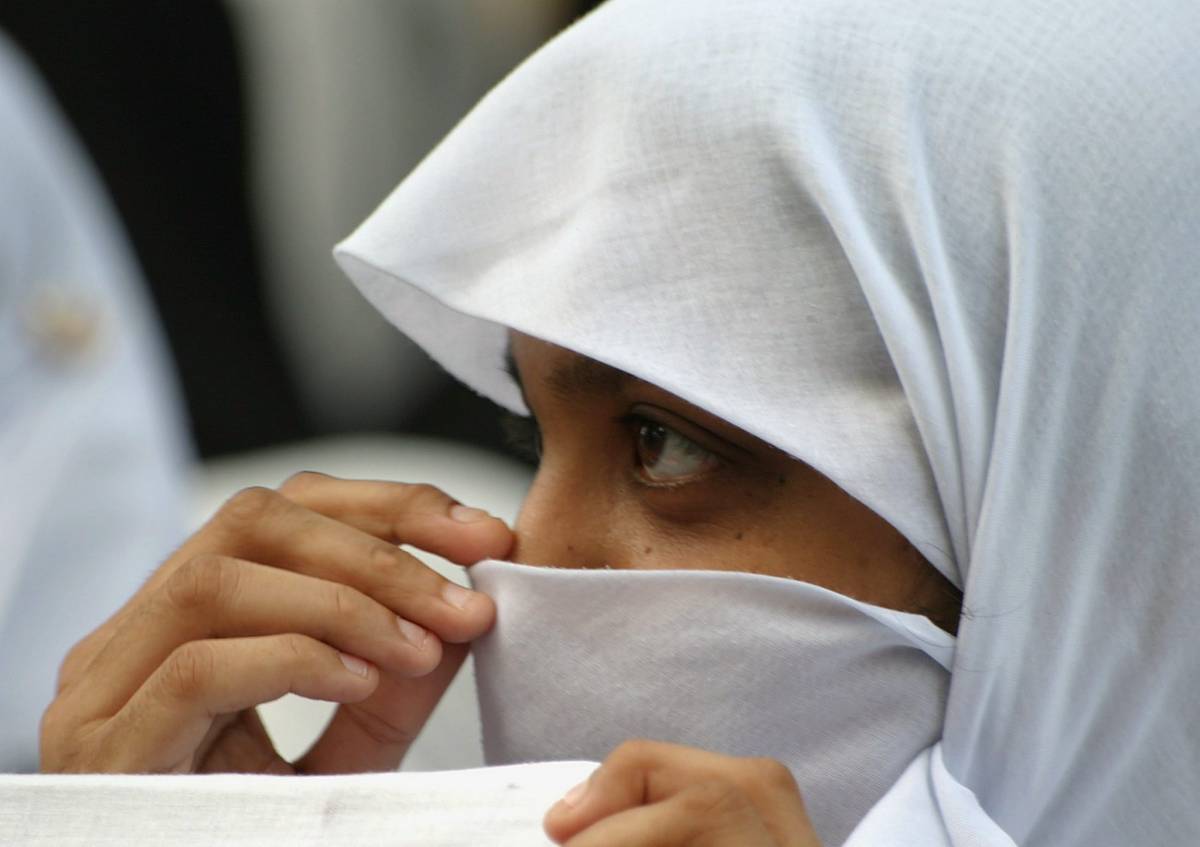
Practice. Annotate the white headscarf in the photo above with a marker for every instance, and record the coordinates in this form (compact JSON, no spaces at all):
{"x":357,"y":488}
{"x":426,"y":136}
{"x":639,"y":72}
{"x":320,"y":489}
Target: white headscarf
{"x":946,"y":253}
{"x":846,"y":694}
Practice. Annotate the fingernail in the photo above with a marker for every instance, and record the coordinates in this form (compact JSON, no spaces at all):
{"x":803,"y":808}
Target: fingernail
{"x":572,"y":797}
{"x":354,"y":664}
{"x":412,"y":633}
{"x":456,"y":595}
{"x":466,"y":514}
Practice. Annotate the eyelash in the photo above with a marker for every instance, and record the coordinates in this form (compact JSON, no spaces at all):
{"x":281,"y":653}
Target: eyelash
{"x":523,"y":437}
{"x":635,"y":423}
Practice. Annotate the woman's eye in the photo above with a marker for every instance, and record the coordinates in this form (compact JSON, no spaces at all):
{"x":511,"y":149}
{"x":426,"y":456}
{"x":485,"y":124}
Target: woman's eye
{"x":665,"y":455}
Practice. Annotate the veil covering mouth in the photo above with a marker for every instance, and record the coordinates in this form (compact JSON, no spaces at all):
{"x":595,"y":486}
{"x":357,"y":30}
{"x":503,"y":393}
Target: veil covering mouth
{"x":944,"y":252}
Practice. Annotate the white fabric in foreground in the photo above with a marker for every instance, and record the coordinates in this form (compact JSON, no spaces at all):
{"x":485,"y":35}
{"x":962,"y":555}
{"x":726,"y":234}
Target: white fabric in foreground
{"x":845,"y":693}
{"x":946,"y":252}
{"x":498,"y":807}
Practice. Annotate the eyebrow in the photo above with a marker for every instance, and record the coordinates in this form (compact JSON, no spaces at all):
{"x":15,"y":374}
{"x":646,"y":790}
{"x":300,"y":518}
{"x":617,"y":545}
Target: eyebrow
{"x":580,"y":376}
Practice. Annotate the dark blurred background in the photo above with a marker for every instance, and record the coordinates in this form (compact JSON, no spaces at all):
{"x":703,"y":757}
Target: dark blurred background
{"x":239,"y":141}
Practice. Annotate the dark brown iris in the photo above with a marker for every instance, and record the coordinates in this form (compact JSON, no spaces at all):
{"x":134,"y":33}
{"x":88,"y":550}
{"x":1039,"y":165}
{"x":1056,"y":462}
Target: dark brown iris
{"x":651,"y":439}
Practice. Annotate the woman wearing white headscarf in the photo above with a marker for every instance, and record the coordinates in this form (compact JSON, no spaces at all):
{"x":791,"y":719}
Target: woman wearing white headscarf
{"x":940,"y":254}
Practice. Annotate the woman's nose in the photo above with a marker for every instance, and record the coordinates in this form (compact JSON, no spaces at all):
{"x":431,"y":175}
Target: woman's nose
{"x":563,"y":523}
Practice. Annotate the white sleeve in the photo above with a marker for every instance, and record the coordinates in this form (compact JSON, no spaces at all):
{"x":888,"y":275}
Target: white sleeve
{"x":927,"y":807}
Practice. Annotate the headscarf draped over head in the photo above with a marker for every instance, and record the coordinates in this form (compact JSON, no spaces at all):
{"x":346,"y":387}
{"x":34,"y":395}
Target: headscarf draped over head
{"x":944,"y":252}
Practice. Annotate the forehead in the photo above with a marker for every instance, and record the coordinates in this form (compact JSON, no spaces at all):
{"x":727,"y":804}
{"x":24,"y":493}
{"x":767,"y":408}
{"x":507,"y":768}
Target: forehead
{"x":569,"y":376}
{"x":564,"y":373}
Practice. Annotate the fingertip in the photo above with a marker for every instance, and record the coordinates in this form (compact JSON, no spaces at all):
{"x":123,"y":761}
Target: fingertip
{"x":476,"y":613}
{"x":363,"y":676}
{"x":554,"y":823}
{"x":358,"y":667}
{"x":558,"y":822}
{"x":427,"y":657}
{"x":492,"y":539}
{"x":467,"y":514}
{"x":477,"y":535}
{"x":500,"y":541}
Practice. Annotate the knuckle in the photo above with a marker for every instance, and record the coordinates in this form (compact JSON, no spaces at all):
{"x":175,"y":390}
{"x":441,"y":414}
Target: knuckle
{"x":53,"y":726}
{"x":202,"y":582}
{"x":301,"y":483}
{"x":73,"y":663}
{"x":189,"y":670}
{"x":296,"y":647}
{"x":635,"y":751}
{"x":715,"y":797}
{"x":405,"y":577}
{"x":64,"y":745}
{"x":345,"y":601}
{"x":425,"y":497}
{"x":773,"y":773}
{"x":384,"y":557}
{"x":248,"y":507}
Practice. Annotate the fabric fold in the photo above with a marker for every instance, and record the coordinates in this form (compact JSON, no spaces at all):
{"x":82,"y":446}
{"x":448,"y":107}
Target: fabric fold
{"x":943,"y":252}
{"x":845,"y":693}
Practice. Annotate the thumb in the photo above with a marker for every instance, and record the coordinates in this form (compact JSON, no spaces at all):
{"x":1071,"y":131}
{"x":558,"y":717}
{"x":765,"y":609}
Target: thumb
{"x":375,"y":734}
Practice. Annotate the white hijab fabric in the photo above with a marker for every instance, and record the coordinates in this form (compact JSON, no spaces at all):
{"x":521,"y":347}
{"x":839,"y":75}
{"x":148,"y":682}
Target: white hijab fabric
{"x":845,"y":693}
{"x":946,"y":253}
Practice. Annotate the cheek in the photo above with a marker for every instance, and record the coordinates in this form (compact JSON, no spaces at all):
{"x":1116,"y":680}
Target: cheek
{"x":716,"y":547}
{"x":750,"y":528}
{"x":592,"y":516}
{"x":741,"y":535}
{"x":572,"y":520}
{"x":588,"y":527}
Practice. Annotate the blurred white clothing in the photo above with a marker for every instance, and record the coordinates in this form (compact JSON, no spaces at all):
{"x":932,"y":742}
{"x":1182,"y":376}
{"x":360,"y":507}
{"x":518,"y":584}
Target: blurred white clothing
{"x":92,"y":440}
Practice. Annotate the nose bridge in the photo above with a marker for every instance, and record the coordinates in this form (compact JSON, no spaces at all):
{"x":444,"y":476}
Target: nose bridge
{"x":563,"y":522}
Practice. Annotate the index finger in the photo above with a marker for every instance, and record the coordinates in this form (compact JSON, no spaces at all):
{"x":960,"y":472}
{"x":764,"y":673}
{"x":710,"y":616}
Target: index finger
{"x":416,"y":514}
{"x":404,"y":513}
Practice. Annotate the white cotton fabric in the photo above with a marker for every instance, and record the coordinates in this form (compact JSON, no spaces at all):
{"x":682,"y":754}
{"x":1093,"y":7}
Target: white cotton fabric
{"x":498,"y":807}
{"x":844,"y":693}
{"x":946,"y":252}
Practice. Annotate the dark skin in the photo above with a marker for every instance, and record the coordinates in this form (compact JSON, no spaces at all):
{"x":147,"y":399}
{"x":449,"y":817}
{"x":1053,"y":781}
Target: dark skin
{"x":633,"y":477}
{"x":303,"y":589}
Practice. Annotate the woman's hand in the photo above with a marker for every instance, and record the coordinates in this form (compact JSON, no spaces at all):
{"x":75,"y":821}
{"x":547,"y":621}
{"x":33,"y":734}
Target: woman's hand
{"x":298,"y":590}
{"x":648,"y":793}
